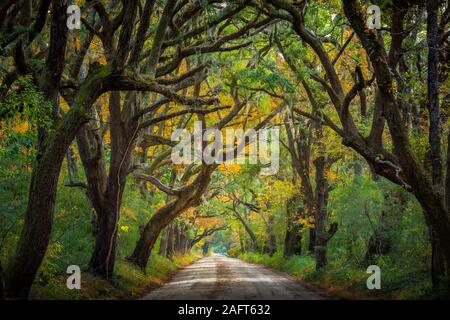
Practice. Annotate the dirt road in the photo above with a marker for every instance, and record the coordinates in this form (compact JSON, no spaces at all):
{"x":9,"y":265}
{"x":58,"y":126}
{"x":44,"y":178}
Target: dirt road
{"x":222,"y":278}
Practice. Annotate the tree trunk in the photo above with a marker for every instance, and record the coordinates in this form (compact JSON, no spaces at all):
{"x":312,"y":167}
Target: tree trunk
{"x":241,"y":243}
{"x":438,"y":264}
{"x":103,"y":256}
{"x":37,"y":228}
{"x":105,"y":191}
{"x":293,"y":239}
{"x":72,"y":168}
{"x":254,"y":242}
{"x":320,"y":246}
{"x":38,"y":222}
{"x":205,"y":248}
{"x":312,"y":239}
{"x":433,"y":90}
{"x":164,"y":242}
{"x":177,"y":238}
{"x":271,"y":243}
{"x":300,"y":151}
{"x":293,"y":236}
{"x":170,"y":242}
{"x":362,"y":97}
{"x":52,"y":148}
{"x":160,"y":219}
{"x":184,"y":243}
{"x":92,"y":159}
{"x":189,"y":198}
{"x":437,"y":258}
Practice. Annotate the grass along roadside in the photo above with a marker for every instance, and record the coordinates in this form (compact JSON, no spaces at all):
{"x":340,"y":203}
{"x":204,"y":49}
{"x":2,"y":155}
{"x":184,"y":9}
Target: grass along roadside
{"x":349,"y":282}
{"x":128,"y":282}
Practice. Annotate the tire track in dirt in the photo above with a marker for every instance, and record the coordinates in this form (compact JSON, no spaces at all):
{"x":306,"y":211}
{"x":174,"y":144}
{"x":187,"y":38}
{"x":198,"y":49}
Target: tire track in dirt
{"x":222,"y":278}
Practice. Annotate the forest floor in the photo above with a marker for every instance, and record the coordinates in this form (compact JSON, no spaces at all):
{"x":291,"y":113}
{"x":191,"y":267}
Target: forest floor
{"x":222,"y":278}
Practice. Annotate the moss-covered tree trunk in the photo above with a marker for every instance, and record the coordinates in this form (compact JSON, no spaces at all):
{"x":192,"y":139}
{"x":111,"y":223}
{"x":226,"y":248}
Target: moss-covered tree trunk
{"x":104,"y":189}
{"x":37,"y":228}
{"x":153,"y":228}
{"x":189,"y":197}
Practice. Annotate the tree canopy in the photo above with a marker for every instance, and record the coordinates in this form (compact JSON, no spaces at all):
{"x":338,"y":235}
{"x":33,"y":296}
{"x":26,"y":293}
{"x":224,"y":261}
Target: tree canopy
{"x":356,"y":110}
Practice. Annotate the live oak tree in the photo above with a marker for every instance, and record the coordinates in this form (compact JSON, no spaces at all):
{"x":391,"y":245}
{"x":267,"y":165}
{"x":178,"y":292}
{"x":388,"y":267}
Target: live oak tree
{"x":400,"y":165}
{"x":115,"y":24}
{"x":427,"y":191}
{"x":127,"y":125}
{"x":188,"y":195}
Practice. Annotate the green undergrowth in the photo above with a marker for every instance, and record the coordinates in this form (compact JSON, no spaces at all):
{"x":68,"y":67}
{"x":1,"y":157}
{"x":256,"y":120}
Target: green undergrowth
{"x":129,"y":282}
{"x":349,"y":282}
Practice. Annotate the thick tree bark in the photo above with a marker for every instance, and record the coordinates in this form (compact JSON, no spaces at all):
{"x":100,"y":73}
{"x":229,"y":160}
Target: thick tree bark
{"x":153,"y":228}
{"x":322,"y":163}
{"x":434,"y":137}
{"x":38,"y":222}
{"x":438,"y":263}
{"x":92,"y":158}
{"x":362,"y":97}
{"x":51,"y":150}
{"x":300,"y":150}
{"x":447,"y":177}
{"x":105,"y":190}
{"x":103,"y":256}
{"x":36,"y":232}
{"x":433,"y":90}
{"x":191,"y":196}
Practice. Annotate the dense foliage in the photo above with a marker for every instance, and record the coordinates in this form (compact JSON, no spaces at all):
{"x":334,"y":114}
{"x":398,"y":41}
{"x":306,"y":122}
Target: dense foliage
{"x":87,"y":116}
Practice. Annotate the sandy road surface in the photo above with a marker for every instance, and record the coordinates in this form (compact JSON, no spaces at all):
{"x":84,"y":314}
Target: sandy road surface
{"x":219,"y":277}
